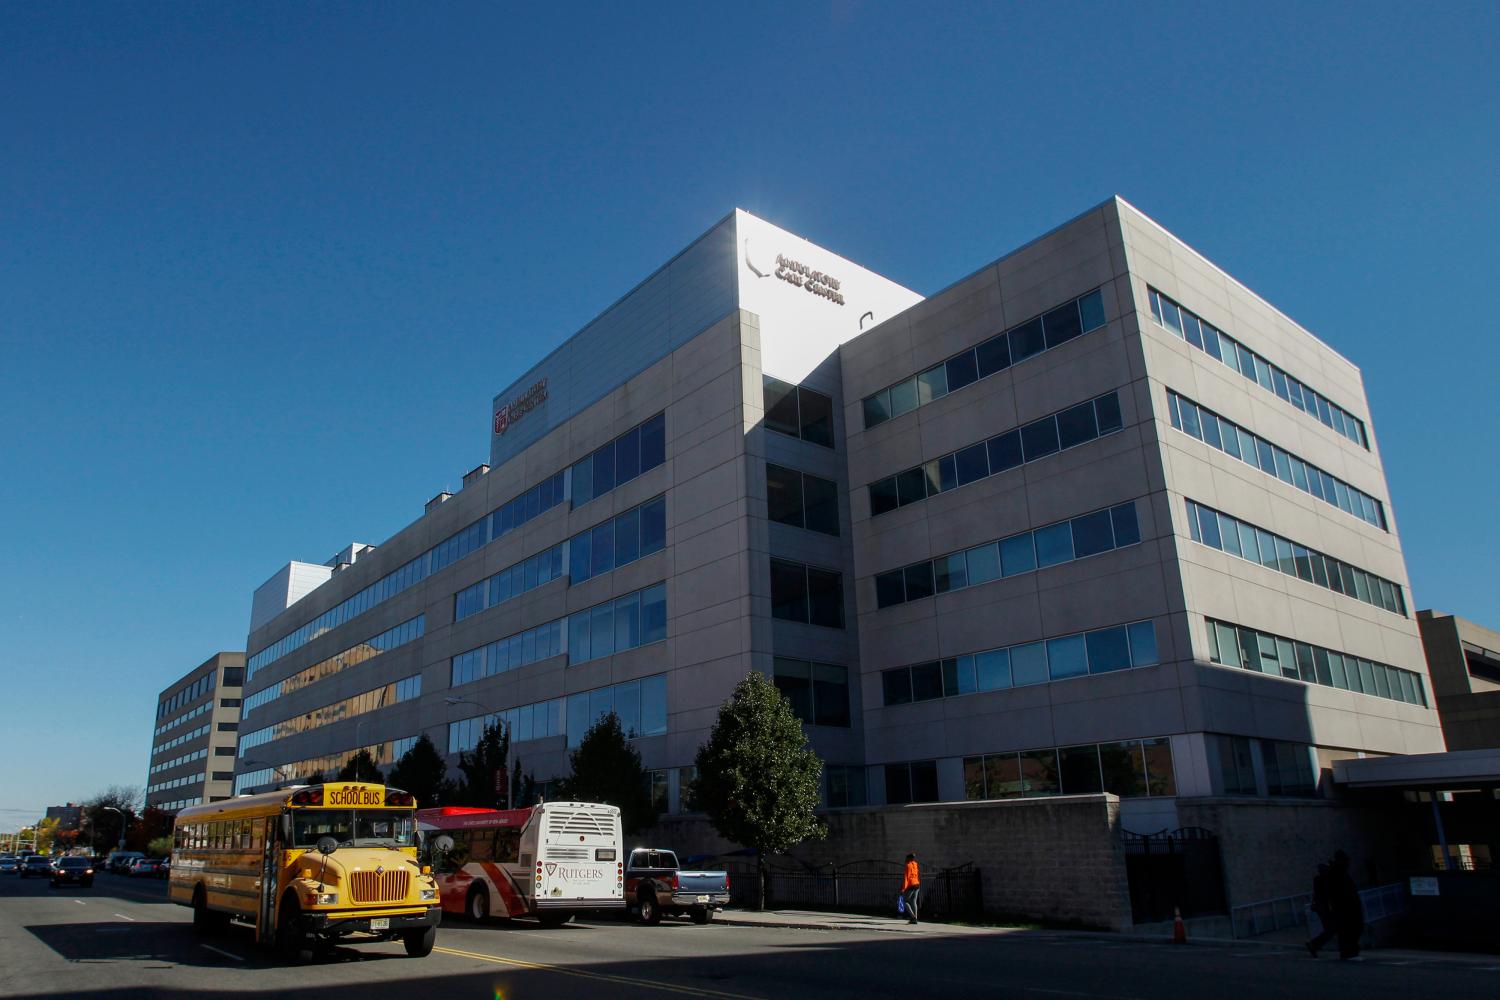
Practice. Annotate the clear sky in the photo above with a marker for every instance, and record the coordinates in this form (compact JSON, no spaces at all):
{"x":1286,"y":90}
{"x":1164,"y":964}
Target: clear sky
{"x":263,"y":266}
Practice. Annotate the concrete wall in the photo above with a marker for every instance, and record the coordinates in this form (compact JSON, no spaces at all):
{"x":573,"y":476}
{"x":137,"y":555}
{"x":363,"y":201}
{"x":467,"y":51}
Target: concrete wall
{"x":1271,"y":847}
{"x":1056,"y":860}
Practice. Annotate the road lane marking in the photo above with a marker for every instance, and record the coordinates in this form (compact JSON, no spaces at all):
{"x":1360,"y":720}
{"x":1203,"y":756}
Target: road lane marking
{"x":221,"y":951}
{"x":653,"y":984}
{"x":124,"y":917}
{"x":80,"y":902}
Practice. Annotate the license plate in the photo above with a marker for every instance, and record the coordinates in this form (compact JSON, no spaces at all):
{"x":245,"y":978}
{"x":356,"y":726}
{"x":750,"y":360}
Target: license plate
{"x":380,"y":923}
{"x":702,"y":899}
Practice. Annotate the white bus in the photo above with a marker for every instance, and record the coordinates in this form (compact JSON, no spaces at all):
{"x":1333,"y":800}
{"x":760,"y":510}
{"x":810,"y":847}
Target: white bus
{"x":550,"y":861}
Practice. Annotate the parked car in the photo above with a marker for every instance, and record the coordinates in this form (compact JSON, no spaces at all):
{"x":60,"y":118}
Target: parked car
{"x":36,"y":865}
{"x":164,"y":870}
{"x":80,"y":870}
{"x":9,"y":864}
{"x":656,"y":886}
{"x":120,"y":861}
{"x":145,"y":866}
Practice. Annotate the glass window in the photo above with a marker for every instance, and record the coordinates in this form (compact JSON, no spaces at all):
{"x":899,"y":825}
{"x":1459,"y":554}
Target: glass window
{"x":825,"y":598}
{"x":932,"y":384}
{"x":1161,"y":777}
{"x":897,"y":784}
{"x":1189,"y":414}
{"x":628,"y":622}
{"x":788,"y":591}
{"x":951,"y":572}
{"x":877,"y":408}
{"x":1028,"y":663}
{"x":903,"y":397}
{"x":1039,"y":774}
{"x":602,"y":630}
{"x":1067,"y":657}
{"x":924,"y":781}
{"x":911,"y":485}
{"x":653,"y":442}
{"x":962,"y":370}
{"x":993,"y":355}
{"x":890,"y":588}
{"x":830,"y":695}
{"x":919,"y":582}
{"x":628,"y":537}
{"x":1080,"y":770}
{"x":781,"y":407}
{"x":972,"y":464}
{"x":821,"y":504}
{"x":602,"y":549}
{"x":1075,"y":425}
{"x":926,"y":681}
{"x":1039,"y":438}
{"x":992,"y":670}
{"x":784,"y":495}
{"x":1122,"y":520}
{"x":1062,"y":324}
{"x":1026,"y":340}
{"x":1017,"y":554}
{"x":983,"y":563}
{"x":958,"y":676}
{"x":1054,"y":544}
{"x":1190,"y":329}
{"x":896,"y":686}
{"x":1108,"y":650}
{"x":654,"y":705}
{"x":1107,"y":408}
{"x":654,"y":614}
{"x":793,"y":678}
{"x":1124,"y":769}
{"x":1092,"y":534}
{"x":883,"y":496}
{"x":947,"y":475}
{"x":654,"y":526}
{"x":1142,"y":644}
{"x":1004,"y":451}
{"x":627,"y":455}
{"x":817,"y":417}
{"x":1091,"y":310}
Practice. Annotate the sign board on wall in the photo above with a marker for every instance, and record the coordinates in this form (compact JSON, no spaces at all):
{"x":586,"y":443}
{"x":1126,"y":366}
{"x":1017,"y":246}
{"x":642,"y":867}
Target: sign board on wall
{"x":808,"y":299}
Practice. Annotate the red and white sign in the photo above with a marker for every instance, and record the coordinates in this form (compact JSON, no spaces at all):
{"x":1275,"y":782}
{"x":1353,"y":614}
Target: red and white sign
{"x":517,"y":408}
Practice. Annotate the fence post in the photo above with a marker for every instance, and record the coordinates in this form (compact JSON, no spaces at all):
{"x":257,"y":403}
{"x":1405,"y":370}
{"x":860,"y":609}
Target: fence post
{"x":835,"y":886}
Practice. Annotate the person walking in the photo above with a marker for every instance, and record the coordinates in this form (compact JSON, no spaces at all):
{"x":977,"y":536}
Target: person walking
{"x":1348,"y":912}
{"x":1324,"y":912}
{"x":911,"y":888}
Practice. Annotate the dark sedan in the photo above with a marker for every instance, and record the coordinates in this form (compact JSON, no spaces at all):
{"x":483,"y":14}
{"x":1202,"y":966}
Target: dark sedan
{"x":80,"y":870}
{"x":36,"y":865}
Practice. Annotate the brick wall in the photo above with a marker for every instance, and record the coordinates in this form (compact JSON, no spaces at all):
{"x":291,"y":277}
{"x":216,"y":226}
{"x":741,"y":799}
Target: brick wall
{"x":1056,"y":860}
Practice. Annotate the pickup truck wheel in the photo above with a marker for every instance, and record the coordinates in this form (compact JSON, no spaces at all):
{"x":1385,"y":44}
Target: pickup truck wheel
{"x":650,"y":910}
{"x":702,"y":914}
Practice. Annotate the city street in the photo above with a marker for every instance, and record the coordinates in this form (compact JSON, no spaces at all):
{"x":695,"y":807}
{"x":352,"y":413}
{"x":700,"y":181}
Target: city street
{"x":122,"y":939}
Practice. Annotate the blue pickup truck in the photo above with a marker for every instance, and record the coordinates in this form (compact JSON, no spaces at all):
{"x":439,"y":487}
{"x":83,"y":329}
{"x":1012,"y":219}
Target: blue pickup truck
{"x":656,"y":886}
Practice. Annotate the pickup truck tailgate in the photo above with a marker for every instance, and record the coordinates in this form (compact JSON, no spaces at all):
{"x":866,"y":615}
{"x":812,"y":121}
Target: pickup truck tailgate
{"x":702,"y":882}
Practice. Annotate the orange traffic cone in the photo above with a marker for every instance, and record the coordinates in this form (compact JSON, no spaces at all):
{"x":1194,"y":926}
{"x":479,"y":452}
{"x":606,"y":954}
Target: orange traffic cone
{"x":1179,"y":929}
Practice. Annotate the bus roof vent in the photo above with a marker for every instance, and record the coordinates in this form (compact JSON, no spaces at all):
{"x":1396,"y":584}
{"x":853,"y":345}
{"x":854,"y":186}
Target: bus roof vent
{"x":583,"y":823}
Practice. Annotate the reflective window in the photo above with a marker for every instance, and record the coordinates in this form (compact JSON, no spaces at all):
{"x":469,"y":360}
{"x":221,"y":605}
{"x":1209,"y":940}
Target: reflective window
{"x":1252,"y":366}
{"x":804,"y":413}
{"x":636,"y":619}
{"x":622,"y":539}
{"x":801,"y":500}
{"x":1089,"y":534}
{"x":1282,"y":657}
{"x":1033,"y":441}
{"x":638,"y":450}
{"x":1069,"y":320}
{"x":806,"y":594}
{"x":1104,"y":650}
{"x":391,"y":638}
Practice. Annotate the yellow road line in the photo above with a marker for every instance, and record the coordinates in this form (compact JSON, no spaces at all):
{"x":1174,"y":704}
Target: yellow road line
{"x":653,"y":984}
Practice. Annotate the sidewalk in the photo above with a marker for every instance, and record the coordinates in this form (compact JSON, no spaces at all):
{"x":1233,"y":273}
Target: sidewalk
{"x":814,"y":921}
{"x":1289,"y":941}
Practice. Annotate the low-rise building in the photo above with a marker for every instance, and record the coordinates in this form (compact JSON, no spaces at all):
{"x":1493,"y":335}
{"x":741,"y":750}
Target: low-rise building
{"x":1464,"y":661}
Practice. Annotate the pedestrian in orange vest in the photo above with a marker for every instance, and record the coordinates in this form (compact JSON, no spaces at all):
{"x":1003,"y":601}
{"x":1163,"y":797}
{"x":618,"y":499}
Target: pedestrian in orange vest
{"x":911,"y":888}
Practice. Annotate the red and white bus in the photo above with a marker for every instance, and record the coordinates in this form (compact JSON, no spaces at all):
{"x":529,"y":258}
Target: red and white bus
{"x":550,"y":861}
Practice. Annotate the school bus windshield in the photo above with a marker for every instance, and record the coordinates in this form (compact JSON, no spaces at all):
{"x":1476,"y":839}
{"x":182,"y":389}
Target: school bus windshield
{"x":354,"y":827}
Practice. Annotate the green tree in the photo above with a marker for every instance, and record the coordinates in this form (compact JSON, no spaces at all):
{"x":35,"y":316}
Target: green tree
{"x":757,"y":778}
{"x":160,"y":847}
{"x":423,"y":772}
{"x":478,"y":769}
{"x":606,"y":768}
{"x":361,"y":767}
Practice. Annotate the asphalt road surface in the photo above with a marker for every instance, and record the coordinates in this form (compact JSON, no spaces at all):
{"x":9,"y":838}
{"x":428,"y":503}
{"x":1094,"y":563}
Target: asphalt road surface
{"x":122,"y":940}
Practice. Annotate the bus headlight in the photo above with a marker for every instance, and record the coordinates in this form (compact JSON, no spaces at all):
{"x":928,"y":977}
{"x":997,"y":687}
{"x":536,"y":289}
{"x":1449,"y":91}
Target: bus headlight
{"x":325,"y":899}
{"x":428,"y":894}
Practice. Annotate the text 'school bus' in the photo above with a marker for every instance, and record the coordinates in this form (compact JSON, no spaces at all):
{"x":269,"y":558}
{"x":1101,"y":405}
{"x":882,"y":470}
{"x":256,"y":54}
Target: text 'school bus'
{"x":550,"y":861}
{"x":308,"y":866}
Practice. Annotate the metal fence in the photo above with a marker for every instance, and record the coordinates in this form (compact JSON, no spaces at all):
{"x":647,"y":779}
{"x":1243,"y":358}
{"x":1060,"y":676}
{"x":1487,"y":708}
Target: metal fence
{"x":1173,"y":871}
{"x":855,"y":887}
{"x":1268,"y":915}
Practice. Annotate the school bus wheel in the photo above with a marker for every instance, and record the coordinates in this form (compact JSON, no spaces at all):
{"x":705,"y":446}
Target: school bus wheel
{"x":292,"y":940}
{"x":419,"y":942}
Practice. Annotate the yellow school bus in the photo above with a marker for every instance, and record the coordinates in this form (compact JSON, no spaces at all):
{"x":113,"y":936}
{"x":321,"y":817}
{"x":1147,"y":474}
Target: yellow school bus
{"x":308,"y":866}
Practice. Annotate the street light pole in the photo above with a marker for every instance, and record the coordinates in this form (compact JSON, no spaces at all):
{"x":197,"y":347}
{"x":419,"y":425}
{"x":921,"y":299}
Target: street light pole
{"x":122,"y":823}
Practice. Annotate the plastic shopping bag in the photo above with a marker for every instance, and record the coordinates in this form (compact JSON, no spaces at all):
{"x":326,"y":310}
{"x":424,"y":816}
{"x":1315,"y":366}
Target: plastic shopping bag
{"x":900,"y":903}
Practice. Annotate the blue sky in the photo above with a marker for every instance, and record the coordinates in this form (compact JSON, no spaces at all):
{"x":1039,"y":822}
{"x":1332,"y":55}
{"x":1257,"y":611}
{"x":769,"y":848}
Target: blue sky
{"x":263,"y":266}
